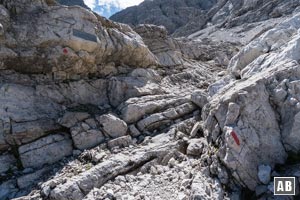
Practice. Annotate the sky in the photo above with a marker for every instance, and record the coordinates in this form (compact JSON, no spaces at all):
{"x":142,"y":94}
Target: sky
{"x":107,"y":8}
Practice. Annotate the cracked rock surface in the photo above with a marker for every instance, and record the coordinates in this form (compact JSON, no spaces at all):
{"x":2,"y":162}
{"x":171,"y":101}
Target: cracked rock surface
{"x":91,"y":109}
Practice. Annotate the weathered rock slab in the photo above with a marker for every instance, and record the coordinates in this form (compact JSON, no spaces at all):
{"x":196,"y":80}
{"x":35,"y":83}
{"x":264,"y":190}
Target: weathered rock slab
{"x":46,"y":150}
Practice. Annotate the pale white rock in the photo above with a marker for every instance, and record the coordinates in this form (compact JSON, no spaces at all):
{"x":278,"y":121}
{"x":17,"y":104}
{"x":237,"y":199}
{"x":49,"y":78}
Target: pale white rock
{"x":245,"y":57}
{"x":259,"y":131}
{"x":267,"y":67}
{"x":112,"y":125}
{"x":163,"y":47}
{"x":271,"y":40}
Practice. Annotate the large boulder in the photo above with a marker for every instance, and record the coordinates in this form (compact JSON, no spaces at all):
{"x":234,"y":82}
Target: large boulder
{"x":56,"y":39}
{"x":112,"y":126}
{"x":253,"y":121}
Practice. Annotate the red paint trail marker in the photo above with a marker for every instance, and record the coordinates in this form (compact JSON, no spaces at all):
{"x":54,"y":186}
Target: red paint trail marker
{"x":235,"y":137}
{"x":65,"y":51}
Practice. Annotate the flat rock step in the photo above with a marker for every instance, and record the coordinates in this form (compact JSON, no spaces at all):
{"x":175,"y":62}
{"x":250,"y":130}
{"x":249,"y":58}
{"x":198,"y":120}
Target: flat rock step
{"x":135,"y":108}
{"x":159,"y":119}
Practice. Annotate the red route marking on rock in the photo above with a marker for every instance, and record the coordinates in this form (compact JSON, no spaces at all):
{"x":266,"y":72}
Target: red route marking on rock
{"x":65,"y":51}
{"x":235,"y":137}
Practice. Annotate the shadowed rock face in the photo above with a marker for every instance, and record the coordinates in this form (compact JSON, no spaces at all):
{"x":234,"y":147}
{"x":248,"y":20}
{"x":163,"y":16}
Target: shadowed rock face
{"x":182,"y":18}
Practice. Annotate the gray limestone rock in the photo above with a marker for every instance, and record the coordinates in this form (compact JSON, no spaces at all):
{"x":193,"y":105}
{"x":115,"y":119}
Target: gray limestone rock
{"x":112,"y":126}
{"x":46,"y":150}
{"x":246,"y":111}
{"x":76,"y":68}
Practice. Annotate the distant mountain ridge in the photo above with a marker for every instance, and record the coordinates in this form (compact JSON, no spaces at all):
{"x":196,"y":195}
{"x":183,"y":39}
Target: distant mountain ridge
{"x":172,"y":14}
{"x":185,"y":17}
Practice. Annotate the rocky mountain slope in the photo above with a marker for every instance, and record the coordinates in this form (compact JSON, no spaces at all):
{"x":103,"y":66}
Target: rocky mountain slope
{"x":93,"y":109}
{"x":173,"y":14}
{"x":184,"y":17}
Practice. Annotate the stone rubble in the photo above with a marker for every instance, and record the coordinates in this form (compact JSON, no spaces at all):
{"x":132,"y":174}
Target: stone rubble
{"x":93,"y":109}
